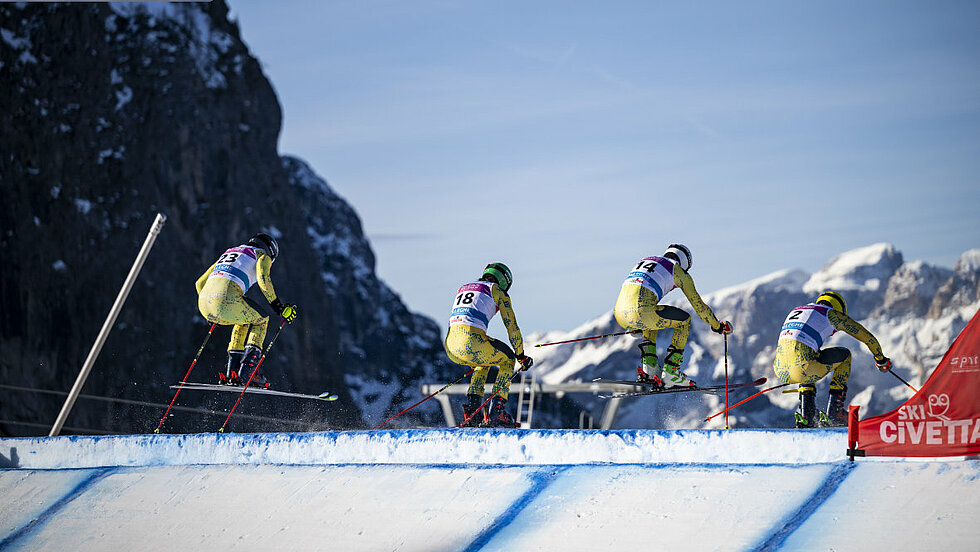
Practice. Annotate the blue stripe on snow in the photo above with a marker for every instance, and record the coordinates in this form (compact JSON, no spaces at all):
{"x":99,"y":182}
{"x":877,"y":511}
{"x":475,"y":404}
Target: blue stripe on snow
{"x":540,"y":481}
{"x":82,"y":486}
{"x":793,"y":522}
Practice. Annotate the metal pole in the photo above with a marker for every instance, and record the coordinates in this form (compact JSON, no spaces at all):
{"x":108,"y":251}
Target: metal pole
{"x":107,"y":325}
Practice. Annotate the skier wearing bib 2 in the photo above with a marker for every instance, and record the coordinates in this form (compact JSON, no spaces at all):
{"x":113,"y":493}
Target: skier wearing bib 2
{"x":637,"y":308}
{"x":467,"y":343}
{"x":799,"y":358}
{"x":237,"y":290}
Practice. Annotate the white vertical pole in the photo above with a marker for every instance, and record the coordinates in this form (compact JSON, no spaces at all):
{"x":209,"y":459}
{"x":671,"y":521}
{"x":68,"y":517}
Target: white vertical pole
{"x":109,"y":321}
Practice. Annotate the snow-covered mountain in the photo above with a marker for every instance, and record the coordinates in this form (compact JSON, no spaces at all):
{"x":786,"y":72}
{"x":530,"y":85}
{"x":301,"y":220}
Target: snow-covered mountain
{"x":913,"y":308}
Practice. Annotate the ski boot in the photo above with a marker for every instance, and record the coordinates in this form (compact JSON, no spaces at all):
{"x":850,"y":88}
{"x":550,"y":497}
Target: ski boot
{"x":498,"y":416}
{"x":471,"y":410}
{"x":249,"y":364}
{"x":648,"y":367}
{"x":673,"y":377}
{"x":230,"y":377}
{"x":806,"y":415}
{"x":643,"y":377}
{"x":836,"y":408}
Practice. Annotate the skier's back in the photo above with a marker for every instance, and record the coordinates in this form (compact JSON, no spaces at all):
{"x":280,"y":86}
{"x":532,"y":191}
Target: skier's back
{"x":226,"y":296}
{"x":467,"y":342}
{"x":638,"y":308}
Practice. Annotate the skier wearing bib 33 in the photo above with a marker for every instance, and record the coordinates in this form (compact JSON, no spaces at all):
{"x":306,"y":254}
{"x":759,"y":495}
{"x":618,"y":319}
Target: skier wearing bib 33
{"x":227,"y":295}
{"x":467,"y":343}
{"x":799,"y":358}
{"x":637,"y":308}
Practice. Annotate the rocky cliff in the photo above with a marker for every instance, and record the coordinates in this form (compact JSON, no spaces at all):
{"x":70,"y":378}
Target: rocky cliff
{"x":113,"y":112}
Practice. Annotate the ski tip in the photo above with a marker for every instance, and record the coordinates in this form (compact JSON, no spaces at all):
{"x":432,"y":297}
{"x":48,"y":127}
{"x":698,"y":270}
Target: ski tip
{"x":328,"y":396}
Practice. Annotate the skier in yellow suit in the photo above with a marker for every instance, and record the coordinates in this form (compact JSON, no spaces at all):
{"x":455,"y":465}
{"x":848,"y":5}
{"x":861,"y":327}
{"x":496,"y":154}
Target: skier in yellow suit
{"x":637,"y":308}
{"x":227,"y":296}
{"x":467,"y":343}
{"x":799,"y":358}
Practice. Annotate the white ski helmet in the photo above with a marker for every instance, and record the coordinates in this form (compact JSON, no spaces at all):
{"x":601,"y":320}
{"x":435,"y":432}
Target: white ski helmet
{"x":681,"y":253}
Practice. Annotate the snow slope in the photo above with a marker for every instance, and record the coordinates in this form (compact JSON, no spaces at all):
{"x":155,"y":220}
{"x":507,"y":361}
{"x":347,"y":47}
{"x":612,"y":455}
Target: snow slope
{"x":428,"y":490}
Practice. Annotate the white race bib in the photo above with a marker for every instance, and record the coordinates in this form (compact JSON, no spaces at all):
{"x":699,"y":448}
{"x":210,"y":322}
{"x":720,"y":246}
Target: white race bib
{"x":474,"y":305}
{"x":238,"y":265}
{"x":653,"y":273}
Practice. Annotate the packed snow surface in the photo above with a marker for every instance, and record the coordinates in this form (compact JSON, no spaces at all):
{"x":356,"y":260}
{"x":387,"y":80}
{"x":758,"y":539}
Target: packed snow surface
{"x":432,"y":490}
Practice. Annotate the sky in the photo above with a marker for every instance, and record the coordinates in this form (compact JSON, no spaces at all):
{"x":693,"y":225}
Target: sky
{"x":571,"y":139}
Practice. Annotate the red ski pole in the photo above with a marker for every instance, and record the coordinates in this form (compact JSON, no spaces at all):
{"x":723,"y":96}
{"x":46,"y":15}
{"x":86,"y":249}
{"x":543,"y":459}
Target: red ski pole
{"x":747,"y":400}
{"x":183,"y":381}
{"x":587,"y":338}
{"x":726,"y":380}
{"x":444,"y":387}
{"x":252,"y":375}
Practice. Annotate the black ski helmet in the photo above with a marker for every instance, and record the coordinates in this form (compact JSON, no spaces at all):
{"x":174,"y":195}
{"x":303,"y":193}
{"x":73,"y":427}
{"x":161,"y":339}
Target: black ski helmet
{"x":266,"y":242}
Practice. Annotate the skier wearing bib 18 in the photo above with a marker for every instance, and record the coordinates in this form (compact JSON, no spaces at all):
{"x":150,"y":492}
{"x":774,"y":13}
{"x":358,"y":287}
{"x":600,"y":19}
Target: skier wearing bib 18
{"x":799,"y":358}
{"x":467,"y":343}
{"x":237,"y":289}
{"x":637,"y":308}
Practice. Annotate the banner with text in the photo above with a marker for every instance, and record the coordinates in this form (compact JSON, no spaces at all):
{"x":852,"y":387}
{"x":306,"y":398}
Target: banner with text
{"x":943,"y":418}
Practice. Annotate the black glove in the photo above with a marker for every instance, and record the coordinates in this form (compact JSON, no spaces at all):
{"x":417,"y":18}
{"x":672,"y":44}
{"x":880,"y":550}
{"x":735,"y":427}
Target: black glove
{"x":526,"y":361}
{"x":724,"y":327}
{"x":885,"y":364}
{"x":286,"y":311}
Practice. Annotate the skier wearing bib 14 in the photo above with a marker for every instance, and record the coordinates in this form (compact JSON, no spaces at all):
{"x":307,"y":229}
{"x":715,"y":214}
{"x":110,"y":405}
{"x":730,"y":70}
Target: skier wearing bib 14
{"x":799,"y":358}
{"x":467,"y":343}
{"x":227,"y":295}
{"x":637,"y":308}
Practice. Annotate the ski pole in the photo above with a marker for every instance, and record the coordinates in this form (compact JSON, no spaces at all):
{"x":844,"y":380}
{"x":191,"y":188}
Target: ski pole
{"x":252,"y":375}
{"x":187,"y":375}
{"x":903,"y":381}
{"x":490,"y":398}
{"x":726,"y":380}
{"x":587,"y":338}
{"x":747,"y":400}
{"x":425,"y":399}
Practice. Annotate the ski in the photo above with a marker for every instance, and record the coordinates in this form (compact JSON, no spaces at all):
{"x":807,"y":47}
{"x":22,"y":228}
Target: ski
{"x":710,"y":389}
{"x":256,"y":390}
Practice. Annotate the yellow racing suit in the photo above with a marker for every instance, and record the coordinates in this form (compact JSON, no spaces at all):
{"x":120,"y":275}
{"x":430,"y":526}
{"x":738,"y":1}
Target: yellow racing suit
{"x":221,"y":297}
{"x":637,"y":306}
{"x":799,"y":358}
{"x":467,"y":342}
